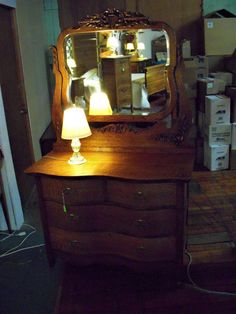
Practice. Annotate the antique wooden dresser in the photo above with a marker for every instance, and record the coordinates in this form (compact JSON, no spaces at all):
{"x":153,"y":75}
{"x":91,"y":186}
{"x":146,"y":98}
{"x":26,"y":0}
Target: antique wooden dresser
{"x":127,"y":204}
{"x":117,"y":81}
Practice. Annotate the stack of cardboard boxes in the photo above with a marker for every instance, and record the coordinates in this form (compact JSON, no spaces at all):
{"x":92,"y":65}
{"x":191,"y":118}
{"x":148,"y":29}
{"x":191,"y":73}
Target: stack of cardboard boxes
{"x":214,"y":119}
{"x":210,"y":96}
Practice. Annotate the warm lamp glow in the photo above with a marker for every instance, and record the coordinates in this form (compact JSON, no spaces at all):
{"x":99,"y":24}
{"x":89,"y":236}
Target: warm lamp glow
{"x":140,"y":47}
{"x":130,"y":46}
{"x":112,"y":43}
{"x":99,"y":104}
{"x":75,"y":126}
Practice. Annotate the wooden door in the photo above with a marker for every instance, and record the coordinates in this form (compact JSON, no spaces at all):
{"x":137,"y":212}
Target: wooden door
{"x":14,"y":99}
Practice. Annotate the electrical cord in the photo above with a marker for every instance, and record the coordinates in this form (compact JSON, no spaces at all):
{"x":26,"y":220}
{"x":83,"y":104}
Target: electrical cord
{"x":196,"y":287}
{"x":17,"y":248}
{"x":8,"y":235}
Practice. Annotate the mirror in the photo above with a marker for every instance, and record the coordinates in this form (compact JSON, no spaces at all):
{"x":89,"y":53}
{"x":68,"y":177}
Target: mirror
{"x":124,"y":58}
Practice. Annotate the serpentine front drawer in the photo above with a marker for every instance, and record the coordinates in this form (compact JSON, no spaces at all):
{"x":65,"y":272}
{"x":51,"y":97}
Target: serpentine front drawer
{"x":139,"y":196}
{"x":101,"y":218}
{"x":108,"y":244}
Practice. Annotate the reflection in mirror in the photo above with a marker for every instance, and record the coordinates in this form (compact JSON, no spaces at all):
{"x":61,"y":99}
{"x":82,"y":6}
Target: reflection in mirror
{"x":128,"y":65}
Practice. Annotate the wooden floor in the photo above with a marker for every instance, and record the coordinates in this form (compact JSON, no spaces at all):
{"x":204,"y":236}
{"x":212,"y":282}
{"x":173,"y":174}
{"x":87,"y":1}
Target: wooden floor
{"x":210,"y":265}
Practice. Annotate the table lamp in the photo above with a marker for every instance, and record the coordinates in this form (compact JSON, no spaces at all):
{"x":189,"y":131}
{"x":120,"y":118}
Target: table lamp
{"x":130,"y":47}
{"x":99,"y":104}
{"x":74,"y":127}
{"x":140,"y":48}
{"x":112,"y":43}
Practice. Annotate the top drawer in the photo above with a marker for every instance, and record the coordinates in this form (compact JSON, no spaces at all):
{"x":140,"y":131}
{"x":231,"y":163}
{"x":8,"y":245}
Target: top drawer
{"x":141,"y":195}
{"x":70,"y":191}
{"x":116,"y":65}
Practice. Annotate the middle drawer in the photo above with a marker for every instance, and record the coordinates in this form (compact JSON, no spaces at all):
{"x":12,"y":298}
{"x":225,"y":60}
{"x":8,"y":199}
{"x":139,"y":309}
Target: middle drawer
{"x":139,"y":195}
{"x":99,"y":218}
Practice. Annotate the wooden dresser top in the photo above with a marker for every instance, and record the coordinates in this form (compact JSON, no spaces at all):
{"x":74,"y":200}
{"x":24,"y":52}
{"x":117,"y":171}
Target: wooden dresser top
{"x":134,"y":166}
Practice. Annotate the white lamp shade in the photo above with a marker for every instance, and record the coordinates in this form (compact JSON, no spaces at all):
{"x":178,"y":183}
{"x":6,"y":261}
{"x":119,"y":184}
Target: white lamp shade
{"x":99,"y":104}
{"x":75,"y":124}
{"x":130,"y":46}
{"x":141,"y":46}
{"x":112,"y":42}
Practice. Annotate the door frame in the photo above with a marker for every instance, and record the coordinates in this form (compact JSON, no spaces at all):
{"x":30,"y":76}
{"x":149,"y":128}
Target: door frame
{"x":14,"y":207}
{"x":10,"y":186}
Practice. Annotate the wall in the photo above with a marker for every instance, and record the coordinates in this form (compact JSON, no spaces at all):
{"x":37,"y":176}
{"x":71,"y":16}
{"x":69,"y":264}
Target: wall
{"x":211,"y":6}
{"x":33,"y":47}
{"x":9,"y":3}
{"x":184,"y":16}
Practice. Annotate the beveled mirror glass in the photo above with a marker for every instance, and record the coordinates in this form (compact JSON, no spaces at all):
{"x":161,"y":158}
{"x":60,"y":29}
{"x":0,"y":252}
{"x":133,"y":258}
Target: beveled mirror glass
{"x":125,"y":56}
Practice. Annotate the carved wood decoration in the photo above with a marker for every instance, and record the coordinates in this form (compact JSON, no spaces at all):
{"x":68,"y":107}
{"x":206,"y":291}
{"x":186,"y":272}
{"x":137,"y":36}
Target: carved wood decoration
{"x":109,"y":131}
{"x":113,"y":18}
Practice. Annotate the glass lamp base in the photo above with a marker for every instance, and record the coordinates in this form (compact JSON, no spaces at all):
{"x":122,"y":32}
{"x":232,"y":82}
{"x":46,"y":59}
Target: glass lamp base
{"x":76,"y":160}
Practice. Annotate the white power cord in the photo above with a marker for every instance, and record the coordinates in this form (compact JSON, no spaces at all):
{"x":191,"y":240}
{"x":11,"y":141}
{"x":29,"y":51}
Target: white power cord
{"x":17,"y":248}
{"x":196,"y":287}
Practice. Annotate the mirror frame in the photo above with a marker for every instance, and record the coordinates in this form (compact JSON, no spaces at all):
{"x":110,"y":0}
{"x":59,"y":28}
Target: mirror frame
{"x":113,"y":19}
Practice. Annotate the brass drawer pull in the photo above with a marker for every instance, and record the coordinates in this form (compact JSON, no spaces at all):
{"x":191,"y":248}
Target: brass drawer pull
{"x":139,"y":195}
{"x":123,"y":69}
{"x":73,"y":217}
{"x":140,"y":249}
{"x":74,"y":243}
{"x":141,"y":223}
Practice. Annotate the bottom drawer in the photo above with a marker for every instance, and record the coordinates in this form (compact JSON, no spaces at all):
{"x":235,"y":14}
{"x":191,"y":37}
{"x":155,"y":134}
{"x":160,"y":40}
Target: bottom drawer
{"x":104,"y":243}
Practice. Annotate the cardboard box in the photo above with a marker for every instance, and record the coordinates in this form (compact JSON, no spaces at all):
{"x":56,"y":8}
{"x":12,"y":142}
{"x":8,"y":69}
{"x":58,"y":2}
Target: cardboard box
{"x":218,"y":134}
{"x":231,"y":93}
{"x":216,"y":157}
{"x":217,"y":109}
{"x":210,"y":86}
{"x":219,"y":36}
{"x":227,"y":77}
{"x":196,"y":67}
{"x":233,"y":138}
{"x":186,"y":48}
{"x":232,"y":163}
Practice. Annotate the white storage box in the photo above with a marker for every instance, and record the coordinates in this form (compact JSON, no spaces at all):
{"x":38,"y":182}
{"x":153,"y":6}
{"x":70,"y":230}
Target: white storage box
{"x":210,"y":86}
{"x":216,"y":157}
{"x":227,"y":77}
{"x":219,"y":134}
{"x":217,"y":109}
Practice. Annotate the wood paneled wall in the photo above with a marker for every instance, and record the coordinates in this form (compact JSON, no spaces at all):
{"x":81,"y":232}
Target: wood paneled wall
{"x":183,"y":15}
